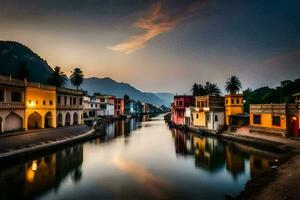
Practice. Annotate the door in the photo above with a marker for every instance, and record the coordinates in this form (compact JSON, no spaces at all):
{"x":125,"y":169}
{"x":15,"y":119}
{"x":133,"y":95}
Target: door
{"x":295,"y":126}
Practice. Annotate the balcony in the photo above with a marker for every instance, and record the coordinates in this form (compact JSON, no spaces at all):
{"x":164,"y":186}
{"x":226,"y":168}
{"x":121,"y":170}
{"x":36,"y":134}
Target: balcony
{"x":69,"y":107}
{"x":12,"y":105}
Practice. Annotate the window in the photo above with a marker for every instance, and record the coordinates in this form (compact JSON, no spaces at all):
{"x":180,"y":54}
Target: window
{"x":198,"y":103}
{"x":80,"y":101}
{"x":1,"y":95}
{"x":65,"y":100}
{"x":232,"y":101}
{"x":276,"y":120}
{"x":44,"y":102}
{"x":58,"y":99}
{"x":74,"y":101}
{"x":16,"y":97}
{"x":50,"y":103}
{"x":216,"y":118}
{"x":70,"y":102}
{"x":119,"y":107}
{"x":202,"y":104}
{"x":180,"y":103}
{"x":256,"y":119}
{"x":238,"y":101}
{"x":226,"y":101}
{"x":197,"y":116}
{"x":102,"y":99}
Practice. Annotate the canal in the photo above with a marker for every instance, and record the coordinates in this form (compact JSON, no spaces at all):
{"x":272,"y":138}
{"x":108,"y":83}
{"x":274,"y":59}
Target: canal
{"x":140,"y":159}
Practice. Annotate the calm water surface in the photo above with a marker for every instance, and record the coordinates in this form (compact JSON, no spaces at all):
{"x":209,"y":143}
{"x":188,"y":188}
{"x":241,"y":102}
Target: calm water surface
{"x":140,"y":160}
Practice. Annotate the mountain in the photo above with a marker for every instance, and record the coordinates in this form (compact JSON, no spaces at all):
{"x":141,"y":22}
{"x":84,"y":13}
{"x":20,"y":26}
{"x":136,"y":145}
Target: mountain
{"x":119,"y":89}
{"x":167,"y":97}
{"x":13,"y":54}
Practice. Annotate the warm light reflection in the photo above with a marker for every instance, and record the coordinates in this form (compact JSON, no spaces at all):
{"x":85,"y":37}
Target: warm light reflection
{"x":34,"y":165}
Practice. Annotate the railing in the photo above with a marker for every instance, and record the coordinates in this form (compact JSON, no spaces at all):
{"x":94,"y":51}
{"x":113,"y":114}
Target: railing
{"x":69,"y":107}
{"x":272,"y":108}
{"x":12,"y":105}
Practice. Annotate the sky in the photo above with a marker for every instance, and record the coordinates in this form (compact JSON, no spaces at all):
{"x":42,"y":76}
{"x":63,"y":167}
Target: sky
{"x":162,"y":45}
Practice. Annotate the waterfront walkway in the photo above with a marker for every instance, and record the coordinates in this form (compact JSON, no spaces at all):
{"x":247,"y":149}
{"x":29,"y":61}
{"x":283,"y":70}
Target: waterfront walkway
{"x":31,"y":141}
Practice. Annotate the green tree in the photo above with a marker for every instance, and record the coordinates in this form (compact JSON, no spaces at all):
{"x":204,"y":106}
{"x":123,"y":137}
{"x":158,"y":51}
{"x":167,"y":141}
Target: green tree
{"x":24,"y":72}
{"x":233,"y":85}
{"x":58,"y":77}
{"x":195,"y":89}
{"x":76,"y":77}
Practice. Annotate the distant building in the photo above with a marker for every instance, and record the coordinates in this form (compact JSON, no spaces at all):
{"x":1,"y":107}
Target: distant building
{"x":107,"y":106}
{"x":188,"y":116}
{"x":178,"y":108}
{"x":278,"y":119}
{"x":91,"y":106}
{"x":12,"y":104}
{"x":146,"y":108}
{"x":209,"y":112}
{"x":119,"y":106}
{"x":69,"y":107}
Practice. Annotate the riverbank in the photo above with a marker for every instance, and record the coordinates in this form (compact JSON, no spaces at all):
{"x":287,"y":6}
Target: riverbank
{"x":25,"y":143}
{"x":281,"y":180}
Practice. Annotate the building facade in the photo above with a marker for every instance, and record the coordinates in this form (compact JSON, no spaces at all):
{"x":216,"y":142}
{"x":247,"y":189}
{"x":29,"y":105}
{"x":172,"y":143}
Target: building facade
{"x":178,"y":108}
{"x":209,"y":112}
{"x":107,"y":105}
{"x":69,"y":107}
{"x":278,"y":119}
{"x":119,"y":106}
{"x":234,"y":105}
{"x":40,"y":103}
{"x":12,"y":104}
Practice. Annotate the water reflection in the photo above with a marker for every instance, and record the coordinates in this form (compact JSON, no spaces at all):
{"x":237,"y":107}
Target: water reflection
{"x":212,"y":154}
{"x":137,"y":159}
{"x":35,"y":177}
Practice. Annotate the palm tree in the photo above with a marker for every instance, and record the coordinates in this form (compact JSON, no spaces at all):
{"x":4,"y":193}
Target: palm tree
{"x":58,"y":77}
{"x":212,"y":89}
{"x":76,"y":77}
{"x":233,"y":85}
{"x":24,"y":72}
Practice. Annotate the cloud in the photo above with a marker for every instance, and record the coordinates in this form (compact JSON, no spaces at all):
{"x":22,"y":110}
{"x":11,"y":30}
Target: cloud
{"x":160,"y":18}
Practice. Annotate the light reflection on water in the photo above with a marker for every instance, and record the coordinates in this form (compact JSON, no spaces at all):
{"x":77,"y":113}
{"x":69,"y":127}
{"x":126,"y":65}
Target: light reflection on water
{"x":137,"y":160}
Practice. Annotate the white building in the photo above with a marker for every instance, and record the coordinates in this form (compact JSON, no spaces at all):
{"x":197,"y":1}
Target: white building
{"x":107,"y":105}
{"x":188,"y":116}
{"x":215,"y":120}
{"x":69,"y":107}
{"x":12,"y":104}
{"x":91,"y":106}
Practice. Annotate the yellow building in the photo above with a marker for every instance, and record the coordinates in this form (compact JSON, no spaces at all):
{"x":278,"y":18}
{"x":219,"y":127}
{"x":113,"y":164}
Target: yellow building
{"x":280,"y":119}
{"x":40,"y":102}
{"x":233,"y":105}
{"x":208,"y":112}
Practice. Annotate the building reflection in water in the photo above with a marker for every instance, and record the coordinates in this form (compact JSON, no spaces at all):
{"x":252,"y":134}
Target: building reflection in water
{"x":212,"y":155}
{"x":40,"y":175}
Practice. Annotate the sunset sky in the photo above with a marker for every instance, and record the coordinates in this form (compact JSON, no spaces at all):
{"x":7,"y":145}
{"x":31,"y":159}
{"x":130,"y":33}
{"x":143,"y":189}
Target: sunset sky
{"x":162,"y":45}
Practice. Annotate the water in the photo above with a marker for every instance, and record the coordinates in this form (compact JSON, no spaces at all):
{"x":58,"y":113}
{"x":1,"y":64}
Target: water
{"x":140,"y":160}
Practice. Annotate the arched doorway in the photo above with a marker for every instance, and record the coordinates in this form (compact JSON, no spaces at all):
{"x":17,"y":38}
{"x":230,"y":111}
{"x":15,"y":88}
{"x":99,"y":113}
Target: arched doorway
{"x":68,"y":119}
{"x":13,"y":122}
{"x":59,"y":120}
{"x":48,"y":120}
{"x":34,"y":121}
{"x":295,"y":126}
{"x":75,"y":119}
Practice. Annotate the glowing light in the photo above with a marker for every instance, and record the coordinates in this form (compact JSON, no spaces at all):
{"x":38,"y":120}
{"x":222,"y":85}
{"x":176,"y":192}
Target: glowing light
{"x":31,"y":103}
{"x":294,"y":118}
{"x":34,"y":165}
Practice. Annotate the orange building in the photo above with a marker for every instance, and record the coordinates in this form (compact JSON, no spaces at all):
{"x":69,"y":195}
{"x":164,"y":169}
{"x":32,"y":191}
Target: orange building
{"x":119,"y":106}
{"x":234,"y":105}
{"x":280,"y":119}
{"x":40,"y":102}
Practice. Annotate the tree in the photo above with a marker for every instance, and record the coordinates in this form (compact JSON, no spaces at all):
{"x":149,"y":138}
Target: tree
{"x":58,"y":77}
{"x":126,"y":97}
{"x":24,"y":72}
{"x":233,"y":85}
{"x":195,"y":89}
{"x":212,"y":89}
{"x":76,"y":77}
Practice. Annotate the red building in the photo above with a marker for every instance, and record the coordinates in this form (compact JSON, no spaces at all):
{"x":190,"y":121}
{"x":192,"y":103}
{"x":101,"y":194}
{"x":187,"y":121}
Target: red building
{"x":119,"y":106}
{"x":178,"y":108}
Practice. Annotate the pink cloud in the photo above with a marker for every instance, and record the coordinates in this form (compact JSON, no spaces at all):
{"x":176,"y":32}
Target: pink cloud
{"x":156,"y":21}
